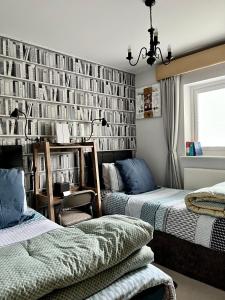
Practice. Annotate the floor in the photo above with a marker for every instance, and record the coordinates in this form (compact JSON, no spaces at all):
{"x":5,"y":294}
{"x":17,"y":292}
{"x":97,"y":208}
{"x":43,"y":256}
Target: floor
{"x":190,"y":289}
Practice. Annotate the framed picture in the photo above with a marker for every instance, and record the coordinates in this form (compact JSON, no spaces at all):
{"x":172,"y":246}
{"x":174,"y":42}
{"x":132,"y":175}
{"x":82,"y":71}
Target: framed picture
{"x":148,"y":102}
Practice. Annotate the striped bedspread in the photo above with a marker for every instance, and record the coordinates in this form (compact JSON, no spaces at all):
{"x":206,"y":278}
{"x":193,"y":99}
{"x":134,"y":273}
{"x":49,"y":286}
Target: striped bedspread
{"x":165,"y":210}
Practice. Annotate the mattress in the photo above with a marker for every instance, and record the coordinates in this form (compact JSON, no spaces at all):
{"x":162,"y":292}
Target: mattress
{"x":124,"y":288}
{"x":166,"y":211}
{"x":27,"y":229}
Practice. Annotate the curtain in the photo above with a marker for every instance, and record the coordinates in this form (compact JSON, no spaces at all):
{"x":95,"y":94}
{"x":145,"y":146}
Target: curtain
{"x":170,"y":93}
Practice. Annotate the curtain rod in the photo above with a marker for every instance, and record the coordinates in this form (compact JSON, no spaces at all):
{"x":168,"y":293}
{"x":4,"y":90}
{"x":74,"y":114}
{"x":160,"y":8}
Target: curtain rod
{"x":191,"y":62}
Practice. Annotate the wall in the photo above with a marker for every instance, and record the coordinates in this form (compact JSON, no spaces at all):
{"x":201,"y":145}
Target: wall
{"x":151,"y":144}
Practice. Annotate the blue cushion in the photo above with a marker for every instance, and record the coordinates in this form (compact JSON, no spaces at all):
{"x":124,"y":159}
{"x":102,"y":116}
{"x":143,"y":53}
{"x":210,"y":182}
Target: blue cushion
{"x":12,"y":196}
{"x":136,"y":176}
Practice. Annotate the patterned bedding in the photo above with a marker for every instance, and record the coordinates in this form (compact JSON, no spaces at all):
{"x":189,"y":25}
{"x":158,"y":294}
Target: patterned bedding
{"x":123,"y":288}
{"x":165,"y":210}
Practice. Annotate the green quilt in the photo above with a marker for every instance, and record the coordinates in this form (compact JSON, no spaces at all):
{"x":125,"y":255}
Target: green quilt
{"x":65,"y":256}
{"x":86,"y":288}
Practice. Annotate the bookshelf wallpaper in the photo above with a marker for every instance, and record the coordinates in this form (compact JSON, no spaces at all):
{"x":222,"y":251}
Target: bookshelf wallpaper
{"x":52,"y":87}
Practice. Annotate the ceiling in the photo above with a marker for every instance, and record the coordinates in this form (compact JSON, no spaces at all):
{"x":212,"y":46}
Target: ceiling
{"x":101,"y":30}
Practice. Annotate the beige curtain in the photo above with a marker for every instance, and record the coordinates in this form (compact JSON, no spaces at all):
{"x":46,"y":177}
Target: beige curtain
{"x":170,"y":93}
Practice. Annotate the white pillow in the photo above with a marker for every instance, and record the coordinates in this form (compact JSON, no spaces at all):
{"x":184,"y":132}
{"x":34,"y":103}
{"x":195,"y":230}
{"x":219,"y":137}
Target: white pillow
{"x":105,"y":176}
{"x":116,"y":181}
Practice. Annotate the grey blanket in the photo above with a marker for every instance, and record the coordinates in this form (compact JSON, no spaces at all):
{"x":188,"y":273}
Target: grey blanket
{"x":208,"y":201}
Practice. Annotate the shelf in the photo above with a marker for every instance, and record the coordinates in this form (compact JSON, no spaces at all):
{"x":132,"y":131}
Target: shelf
{"x":54,"y":171}
{"x":66,"y":147}
{"x":64,"y":54}
{"x":64,"y":70}
{"x":133,"y":149}
{"x":49,"y":199}
{"x":63,"y":87}
{"x":67,"y":120}
{"x":72,"y":137}
{"x":67,"y":104}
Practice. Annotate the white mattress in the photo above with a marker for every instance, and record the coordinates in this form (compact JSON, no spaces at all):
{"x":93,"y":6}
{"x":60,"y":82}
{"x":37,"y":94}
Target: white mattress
{"x":26,"y":230}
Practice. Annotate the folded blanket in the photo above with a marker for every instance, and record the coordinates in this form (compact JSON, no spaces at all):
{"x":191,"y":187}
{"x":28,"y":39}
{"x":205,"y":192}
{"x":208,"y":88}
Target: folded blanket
{"x":65,"y":256}
{"x":90,"y":286}
{"x":208,"y":201}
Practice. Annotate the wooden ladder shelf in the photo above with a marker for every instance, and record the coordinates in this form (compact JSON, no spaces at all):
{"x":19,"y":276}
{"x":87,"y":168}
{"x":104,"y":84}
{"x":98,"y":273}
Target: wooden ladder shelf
{"x":48,"y":199}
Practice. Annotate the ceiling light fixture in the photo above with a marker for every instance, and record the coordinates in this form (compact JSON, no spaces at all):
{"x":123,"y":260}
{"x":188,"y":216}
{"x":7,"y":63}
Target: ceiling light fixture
{"x":154,"y":52}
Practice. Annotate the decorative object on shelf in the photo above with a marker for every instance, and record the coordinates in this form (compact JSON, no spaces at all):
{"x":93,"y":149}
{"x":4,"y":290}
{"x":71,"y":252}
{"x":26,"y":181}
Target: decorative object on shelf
{"x":16,"y":114}
{"x":193,"y":149}
{"x":198,"y":149}
{"x":154,"y":52}
{"x":60,"y":187}
{"x":103,"y":123}
{"x":148,"y":102}
{"x":62,"y":133}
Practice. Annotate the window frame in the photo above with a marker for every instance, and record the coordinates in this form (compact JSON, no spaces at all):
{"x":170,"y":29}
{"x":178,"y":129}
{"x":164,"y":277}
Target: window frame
{"x":194,"y":91}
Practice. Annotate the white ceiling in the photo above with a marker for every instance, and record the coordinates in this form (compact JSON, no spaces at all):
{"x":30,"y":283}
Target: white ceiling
{"x":101,"y":30}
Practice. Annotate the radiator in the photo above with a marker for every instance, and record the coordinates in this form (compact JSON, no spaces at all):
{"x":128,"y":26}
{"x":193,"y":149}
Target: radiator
{"x":195,"y":178}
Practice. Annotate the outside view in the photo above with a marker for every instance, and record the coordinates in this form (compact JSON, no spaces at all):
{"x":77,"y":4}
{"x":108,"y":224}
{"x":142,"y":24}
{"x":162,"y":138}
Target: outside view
{"x":211,"y":118}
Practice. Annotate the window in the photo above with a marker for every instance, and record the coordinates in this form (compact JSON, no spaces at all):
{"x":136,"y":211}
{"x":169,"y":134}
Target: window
{"x":206,"y":115}
{"x":210,"y":113}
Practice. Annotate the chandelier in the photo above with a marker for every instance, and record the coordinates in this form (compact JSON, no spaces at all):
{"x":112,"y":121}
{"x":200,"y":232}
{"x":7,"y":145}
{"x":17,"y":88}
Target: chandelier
{"x":154,"y":52}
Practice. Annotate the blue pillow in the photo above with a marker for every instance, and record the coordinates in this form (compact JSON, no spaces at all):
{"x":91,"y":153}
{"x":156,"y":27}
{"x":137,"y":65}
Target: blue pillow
{"x":12,"y":197}
{"x":136,"y":176}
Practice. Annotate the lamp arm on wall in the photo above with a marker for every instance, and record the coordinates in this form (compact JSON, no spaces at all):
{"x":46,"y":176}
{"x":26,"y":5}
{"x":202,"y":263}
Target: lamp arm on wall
{"x":15,"y":114}
{"x":104,"y":123}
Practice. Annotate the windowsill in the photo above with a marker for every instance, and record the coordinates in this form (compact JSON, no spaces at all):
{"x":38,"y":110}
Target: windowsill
{"x":203,"y":157}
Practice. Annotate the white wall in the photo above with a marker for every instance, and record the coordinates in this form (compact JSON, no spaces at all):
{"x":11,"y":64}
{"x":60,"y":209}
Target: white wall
{"x":151,"y":144}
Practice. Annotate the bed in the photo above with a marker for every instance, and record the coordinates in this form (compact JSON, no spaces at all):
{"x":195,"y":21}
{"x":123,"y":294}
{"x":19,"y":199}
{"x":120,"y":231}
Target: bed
{"x":145,"y":282}
{"x":189,"y":243}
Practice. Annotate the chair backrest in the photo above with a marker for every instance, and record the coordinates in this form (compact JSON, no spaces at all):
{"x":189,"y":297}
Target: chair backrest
{"x":78,"y":199}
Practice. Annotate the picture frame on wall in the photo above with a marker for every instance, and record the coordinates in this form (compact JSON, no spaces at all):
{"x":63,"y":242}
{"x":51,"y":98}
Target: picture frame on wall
{"x":148,"y":102}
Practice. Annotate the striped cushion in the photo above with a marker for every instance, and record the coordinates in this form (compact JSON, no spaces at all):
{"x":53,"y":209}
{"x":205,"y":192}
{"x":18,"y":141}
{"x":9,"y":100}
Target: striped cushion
{"x":116,"y":181}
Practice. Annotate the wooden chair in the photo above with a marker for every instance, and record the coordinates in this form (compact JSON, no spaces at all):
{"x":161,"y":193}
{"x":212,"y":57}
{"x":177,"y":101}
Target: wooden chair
{"x":76,"y":208}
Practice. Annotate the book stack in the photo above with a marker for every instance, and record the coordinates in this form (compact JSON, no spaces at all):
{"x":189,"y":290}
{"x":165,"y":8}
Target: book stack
{"x":193,"y":149}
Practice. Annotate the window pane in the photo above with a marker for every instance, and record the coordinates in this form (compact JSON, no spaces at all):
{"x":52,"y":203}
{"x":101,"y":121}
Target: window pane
{"x":211,"y":118}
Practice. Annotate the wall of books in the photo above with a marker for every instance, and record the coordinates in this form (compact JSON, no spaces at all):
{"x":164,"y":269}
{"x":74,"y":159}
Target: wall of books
{"x":52,"y":87}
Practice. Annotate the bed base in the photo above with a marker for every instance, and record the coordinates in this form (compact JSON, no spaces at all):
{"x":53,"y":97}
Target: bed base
{"x":195,"y":261}
{"x":153,"y":293}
